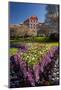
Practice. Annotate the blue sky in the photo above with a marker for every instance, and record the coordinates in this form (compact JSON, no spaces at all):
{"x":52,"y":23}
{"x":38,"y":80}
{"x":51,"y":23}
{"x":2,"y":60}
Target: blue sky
{"x":18,"y":12}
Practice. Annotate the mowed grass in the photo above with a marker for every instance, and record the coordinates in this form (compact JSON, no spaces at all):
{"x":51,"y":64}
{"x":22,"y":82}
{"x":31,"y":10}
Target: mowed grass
{"x":29,"y":39}
{"x":13,"y":51}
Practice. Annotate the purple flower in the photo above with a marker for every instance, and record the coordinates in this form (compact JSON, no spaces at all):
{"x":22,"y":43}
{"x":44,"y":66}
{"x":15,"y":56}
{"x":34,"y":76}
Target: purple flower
{"x":30,"y":78}
{"x":23,"y":48}
{"x":36,"y":70}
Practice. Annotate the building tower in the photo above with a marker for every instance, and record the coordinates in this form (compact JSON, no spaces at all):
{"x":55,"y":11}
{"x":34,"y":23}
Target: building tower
{"x":32,"y":22}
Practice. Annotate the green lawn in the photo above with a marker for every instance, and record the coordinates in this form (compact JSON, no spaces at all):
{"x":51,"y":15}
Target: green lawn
{"x":29,"y":39}
{"x":13,"y":51}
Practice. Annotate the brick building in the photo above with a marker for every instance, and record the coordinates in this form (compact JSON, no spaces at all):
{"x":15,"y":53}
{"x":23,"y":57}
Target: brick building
{"x":32,"y":22}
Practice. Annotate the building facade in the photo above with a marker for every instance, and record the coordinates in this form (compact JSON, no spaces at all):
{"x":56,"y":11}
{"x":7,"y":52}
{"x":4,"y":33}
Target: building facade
{"x":32,"y":22}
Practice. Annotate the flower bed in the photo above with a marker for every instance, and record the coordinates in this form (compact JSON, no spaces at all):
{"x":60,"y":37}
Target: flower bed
{"x":29,"y":64}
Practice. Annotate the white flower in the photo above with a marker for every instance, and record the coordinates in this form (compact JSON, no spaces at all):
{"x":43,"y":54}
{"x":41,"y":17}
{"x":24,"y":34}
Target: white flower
{"x":33,"y":58}
{"x":27,"y":56}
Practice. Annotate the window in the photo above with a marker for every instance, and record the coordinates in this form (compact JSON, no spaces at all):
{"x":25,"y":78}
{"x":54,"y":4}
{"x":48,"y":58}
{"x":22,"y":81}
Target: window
{"x":31,"y":20}
{"x":31,"y":25}
{"x":34,"y":20}
{"x":34,"y":25}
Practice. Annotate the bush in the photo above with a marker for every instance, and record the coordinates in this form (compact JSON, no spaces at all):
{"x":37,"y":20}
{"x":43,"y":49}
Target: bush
{"x":54,"y":37}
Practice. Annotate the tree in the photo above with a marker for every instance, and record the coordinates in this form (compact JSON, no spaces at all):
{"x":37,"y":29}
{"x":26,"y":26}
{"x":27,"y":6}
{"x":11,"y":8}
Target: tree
{"x":43,"y":30}
{"x":22,"y":30}
{"x":18,"y":31}
{"x":32,"y":32}
{"x":13,"y":31}
{"x":52,"y":17}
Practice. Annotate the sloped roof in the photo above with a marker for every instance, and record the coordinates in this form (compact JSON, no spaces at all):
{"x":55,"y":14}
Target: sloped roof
{"x":33,"y":17}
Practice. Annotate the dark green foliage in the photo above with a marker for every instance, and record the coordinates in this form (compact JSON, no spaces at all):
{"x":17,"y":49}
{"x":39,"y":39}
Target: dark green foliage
{"x":54,"y":37}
